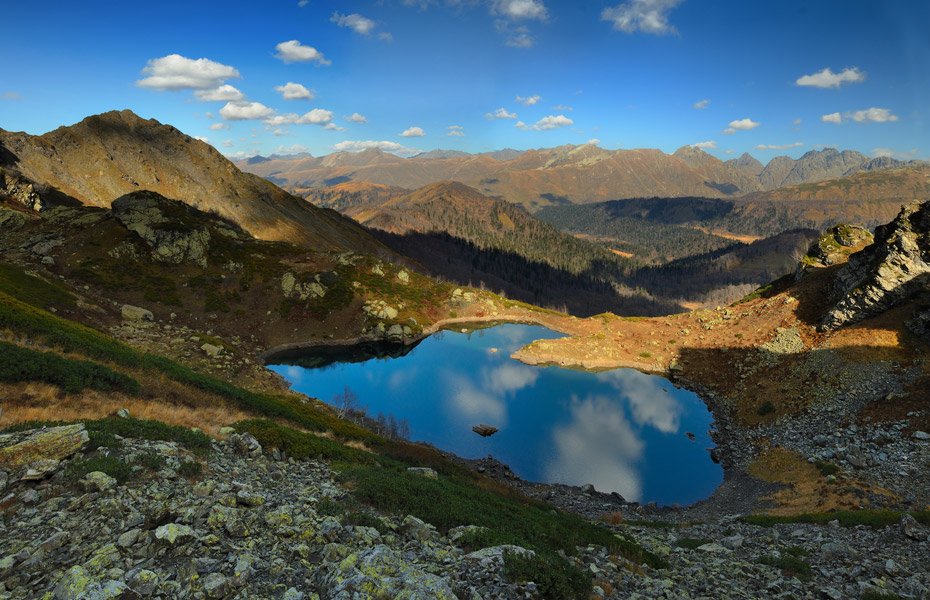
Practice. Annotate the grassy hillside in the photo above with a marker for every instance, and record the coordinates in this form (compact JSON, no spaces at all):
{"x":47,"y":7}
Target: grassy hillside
{"x":45,"y":349}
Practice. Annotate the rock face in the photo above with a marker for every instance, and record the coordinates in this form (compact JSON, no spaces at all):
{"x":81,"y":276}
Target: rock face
{"x":161,"y":224}
{"x":836,"y":244}
{"x":894,"y":268}
{"x":34,"y":454}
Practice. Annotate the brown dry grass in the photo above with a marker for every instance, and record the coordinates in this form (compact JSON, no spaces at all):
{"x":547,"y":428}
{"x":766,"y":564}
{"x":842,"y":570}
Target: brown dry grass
{"x":42,"y":402}
{"x":807,"y":490}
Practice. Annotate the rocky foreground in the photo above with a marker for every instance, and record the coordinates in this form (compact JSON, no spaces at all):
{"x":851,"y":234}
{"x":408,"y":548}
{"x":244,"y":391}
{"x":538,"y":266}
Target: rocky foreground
{"x":235,"y":521}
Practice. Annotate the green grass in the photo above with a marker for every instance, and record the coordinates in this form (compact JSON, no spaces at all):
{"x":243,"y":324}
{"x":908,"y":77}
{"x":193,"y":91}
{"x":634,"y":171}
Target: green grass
{"x":789,"y":565}
{"x":151,"y":460}
{"x":190,"y":469}
{"x":691,"y":543}
{"x":113,"y":466}
{"x":19,"y":364}
{"x":300,"y":445}
{"x":449,"y":502}
{"x":877,"y":595}
{"x":73,"y":337}
{"x":847,"y":518}
{"x":32,"y":290}
{"x":826,"y":468}
{"x":555,"y":579}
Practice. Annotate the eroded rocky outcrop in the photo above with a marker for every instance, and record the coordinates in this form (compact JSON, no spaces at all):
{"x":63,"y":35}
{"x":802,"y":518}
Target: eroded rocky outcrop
{"x":894,"y":268}
{"x":163,"y":225}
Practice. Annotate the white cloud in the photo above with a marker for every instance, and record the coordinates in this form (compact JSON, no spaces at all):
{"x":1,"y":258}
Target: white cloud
{"x":294,"y":91}
{"x":520,"y":38}
{"x":228,"y":144}
{"x":888,"y":152}
{"x":648,"y":16}
{"x":741,"y":125}
{"x":245,"y":111}
{"x":709,"y":144}
{"x":593,"y":142}
{"x":357,"y":118}
{"x":175,"y":72}
{"x":303,"y":3}
{"x":508,"y":378}
{"x":413,"y":132}
{"x":779,"y":146}
{"x":317,"y":116}
{"x":501,"y":113}
{"x":358,"y":146}
{"x":293,"y":149}
{"x":456,"y":131}
{"x":293,"y":51}
{"x":702,"y":104}
{"x":10,"y":96}
{"x":876,"y":115}
{"x":219,"y":126}
{"x":203,"y":139}
{"x":563,"y":107}
{"x":356,"y":22}
{"x":546,"y":123}
{"x":649,"y":403}
{"x":520,"y":9}
{"x":224,"y":93}
{"x":828,"y":79}
{"x":529,"y":100}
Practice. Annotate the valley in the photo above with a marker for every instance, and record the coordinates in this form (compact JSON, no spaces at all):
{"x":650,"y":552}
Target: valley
{"x":137,"y":322}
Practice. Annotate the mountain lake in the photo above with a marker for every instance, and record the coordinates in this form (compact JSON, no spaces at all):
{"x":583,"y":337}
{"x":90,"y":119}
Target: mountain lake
{"x":619,"y":430}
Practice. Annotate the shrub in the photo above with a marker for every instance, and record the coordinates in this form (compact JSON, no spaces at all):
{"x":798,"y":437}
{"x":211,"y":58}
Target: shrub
{"x":72,"y":376}
{"x":765,"y":409}
{"x":300,"y":445}
{"x":113,"y":466}
{"x":791,"y":566}
{"x":190,"y":469}
{"x":555,"y":578}
{"x":826,"y":468}
{"x":151,"y":460}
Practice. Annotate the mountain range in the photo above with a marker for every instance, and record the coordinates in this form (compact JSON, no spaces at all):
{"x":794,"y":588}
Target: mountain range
{"x":579,"y":174}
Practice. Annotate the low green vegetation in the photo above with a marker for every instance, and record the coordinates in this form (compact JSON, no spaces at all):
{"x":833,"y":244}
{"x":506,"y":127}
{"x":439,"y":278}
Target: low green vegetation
{"x":878,"y":595}
{"x":33,"y":290}
{"x":19,"y":364}
{"x":691,"y":543}
{"x":555,"y":579}
{"x":300,"y":445}
{"x":190,"y":469}
{"x":826,"y":468}
{"x":789,"y":564}
{"x":113,"y":466}
{"x":847,"y":518}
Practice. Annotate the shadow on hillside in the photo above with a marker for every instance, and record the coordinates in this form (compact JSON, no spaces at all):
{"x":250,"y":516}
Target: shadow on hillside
{"x":321,"y":357}
{"x":583,"y":294}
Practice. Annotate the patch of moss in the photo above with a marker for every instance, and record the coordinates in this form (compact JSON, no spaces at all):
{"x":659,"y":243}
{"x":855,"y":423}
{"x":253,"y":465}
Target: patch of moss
{"x":32,"y":290}
{"x":22,"y":364}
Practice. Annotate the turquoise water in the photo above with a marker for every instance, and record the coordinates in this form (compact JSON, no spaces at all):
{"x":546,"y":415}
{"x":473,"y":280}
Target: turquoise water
{"x":620,"y":430}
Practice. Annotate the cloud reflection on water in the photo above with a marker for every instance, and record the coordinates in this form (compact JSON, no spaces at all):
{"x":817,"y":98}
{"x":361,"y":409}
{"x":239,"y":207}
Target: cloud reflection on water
{"x":649,"y":403}
{"x":598,"y":446}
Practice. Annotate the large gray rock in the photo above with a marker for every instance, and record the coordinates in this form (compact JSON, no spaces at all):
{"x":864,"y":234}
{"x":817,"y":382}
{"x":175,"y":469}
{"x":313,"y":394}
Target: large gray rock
{"x":166,"y":226}
{"x":136,"y":314}
{"x":381,"y":572}
{"x":891,"y":270}
{"x":35,"y":454}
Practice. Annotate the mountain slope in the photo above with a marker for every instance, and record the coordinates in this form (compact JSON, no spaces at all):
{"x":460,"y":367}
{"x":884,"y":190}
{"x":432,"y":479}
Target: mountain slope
{"x":106,"y":156}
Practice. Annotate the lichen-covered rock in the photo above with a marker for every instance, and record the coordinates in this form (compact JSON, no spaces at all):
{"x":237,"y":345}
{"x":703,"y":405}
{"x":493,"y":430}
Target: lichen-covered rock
{"x":11,"y":220}
{"x":836,"y":244}
{"x":166,"y":226}
{"x":889,"y":271}
{"x":174,"y":533}
{"x":381,"y":572}
{"x":97,"y":481}
{"x":292,"y":288}
{"x":40,"y":450}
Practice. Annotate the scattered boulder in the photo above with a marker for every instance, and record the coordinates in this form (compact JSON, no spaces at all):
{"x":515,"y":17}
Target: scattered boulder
{"x":97,"y":481}
{"x":211,"y":350}
{"x":292,"y":288}
{"x":174,"y":533}
{"x":136,"y":314}
{"x":11,"y":220}
{"x":424,"y":471}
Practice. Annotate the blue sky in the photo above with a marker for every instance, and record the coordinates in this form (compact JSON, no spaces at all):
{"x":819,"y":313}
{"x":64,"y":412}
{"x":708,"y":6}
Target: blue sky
{"x":629,"y":74}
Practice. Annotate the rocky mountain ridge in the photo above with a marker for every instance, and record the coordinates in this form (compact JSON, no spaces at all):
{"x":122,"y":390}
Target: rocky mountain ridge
{"x":112,"y":154}
{"x":574,"y":174}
